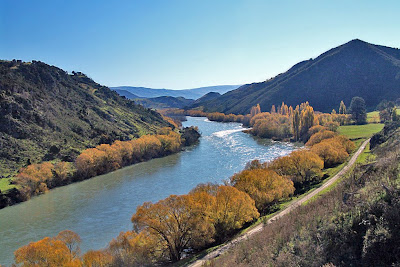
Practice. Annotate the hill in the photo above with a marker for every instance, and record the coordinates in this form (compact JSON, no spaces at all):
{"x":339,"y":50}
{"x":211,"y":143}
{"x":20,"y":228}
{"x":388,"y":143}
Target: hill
{"x":46,"y":114}
{"x":194,"y":93}
{"x":163,"y":102}
{"x":207,"y":97}
{"x":127,"y":94}
{"x":356,"y":68}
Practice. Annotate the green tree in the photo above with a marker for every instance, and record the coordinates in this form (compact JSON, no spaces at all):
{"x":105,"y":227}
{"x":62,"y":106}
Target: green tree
{"x":358,"y":110}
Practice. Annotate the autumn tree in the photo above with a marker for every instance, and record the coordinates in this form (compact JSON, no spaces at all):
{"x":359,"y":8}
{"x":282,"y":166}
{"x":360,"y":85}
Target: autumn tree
{"x":232,"y":210}
{"x":97,"y":258}
{"x":331,"y":152}
{"x":72,"y":240}
{"x":307,"y":121}
{"x":265,"y":186}
{"x":255,"y":110}
{"x":342,"y":108}
{"x":225,"y":207}
{"x":319,"y":136}
{"x":172,"y":221}
{"x":273,"y":109}
{"x":34,"y":179}
{"x":296,"y":124}
{"x":134,"y":249}
{"x":48,"y":252}
{"x":301,"y":166}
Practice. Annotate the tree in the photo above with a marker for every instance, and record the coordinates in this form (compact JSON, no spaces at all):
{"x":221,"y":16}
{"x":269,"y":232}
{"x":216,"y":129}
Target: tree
{"x":133,"y":249}
{"x":232,"y":210}
{"x":265,"y":186}
{"x":72,"y":240}
{"x":255,"y":110}
{"x":342,"y":108}
{"x":301,"y":166}
{"x":319,"y":136}
{"x":395,"y":116}
{"x":172,"y":220}
{"x":331,"y":152}
{"x":97,"y":258}
{"x":296,"y":124}
{"x":358,"y":110}
{"x":50,"y":252}
{"x":227,"y":208}
{"x":307,"y":120}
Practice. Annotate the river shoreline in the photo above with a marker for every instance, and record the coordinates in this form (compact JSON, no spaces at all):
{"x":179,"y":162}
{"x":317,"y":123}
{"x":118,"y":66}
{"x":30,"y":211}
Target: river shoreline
{"x":13,"y":196}
{"x":98,"y":209}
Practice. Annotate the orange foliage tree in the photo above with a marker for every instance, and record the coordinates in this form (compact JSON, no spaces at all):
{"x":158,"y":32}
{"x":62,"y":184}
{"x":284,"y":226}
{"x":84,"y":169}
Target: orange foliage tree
{"x":105,"y":158}
{"x":97,"y":258}
{"x":172,"y":221}
{"x":302,"y":166}
{"x":319,"y":136}
{"x":49,"y":252}
{"x":265,"y":186}
{"x":333,"y":151}
{"x":33,"y":179}
{"x":133,"y":249}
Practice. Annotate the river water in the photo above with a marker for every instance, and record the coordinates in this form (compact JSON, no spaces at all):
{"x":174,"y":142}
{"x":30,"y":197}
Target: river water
{"x":100,"y":208}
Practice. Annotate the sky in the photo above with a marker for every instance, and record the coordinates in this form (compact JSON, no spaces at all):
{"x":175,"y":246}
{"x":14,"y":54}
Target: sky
{"x":180,"y":44}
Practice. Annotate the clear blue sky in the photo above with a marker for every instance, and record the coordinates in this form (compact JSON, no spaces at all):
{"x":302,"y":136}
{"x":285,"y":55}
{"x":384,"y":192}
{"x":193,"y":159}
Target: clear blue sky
{"x":187,"y":43}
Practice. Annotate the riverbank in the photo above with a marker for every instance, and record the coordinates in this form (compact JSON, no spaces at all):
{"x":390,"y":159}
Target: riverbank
{"x":37,"y":179}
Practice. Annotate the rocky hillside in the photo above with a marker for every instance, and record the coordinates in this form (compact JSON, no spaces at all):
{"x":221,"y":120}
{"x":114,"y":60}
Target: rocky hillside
{"x":356,"y":68}
{"x":46,"y":114}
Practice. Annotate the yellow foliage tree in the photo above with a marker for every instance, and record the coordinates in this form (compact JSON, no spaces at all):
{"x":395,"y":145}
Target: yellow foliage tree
{"x":233,"y":208}
{"x":265,"y":186}
{"x":52,"y":252}
{"x":97,"y":258}
{"x":319,"y":136}
{"x":301,"y":166}
{"x":133,"y":249}
{"x":172,"y":221}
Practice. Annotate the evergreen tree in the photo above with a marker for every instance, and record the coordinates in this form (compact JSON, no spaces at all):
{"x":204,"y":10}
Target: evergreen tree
{"x":358,"y":110}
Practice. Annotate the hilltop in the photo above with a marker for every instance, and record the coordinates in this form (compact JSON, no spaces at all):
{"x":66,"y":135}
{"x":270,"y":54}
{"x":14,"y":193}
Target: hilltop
{"x":47,"y":114}
{"x":356,"y":68}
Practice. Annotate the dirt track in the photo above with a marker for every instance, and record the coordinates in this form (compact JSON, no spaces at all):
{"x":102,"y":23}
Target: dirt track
{"x":214,"y":254}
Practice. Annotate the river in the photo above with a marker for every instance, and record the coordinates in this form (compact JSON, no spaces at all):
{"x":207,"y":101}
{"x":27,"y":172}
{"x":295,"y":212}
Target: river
{"x":100,"y":208}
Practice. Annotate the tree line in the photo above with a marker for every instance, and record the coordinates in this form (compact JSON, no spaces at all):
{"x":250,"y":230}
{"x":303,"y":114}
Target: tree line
{"x":36,"y":179}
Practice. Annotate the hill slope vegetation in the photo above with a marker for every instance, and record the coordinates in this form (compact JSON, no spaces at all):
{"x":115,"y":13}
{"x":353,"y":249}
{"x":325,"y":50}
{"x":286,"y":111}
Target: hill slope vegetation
{"x":356,"y":68}
{"x":46,"y":114}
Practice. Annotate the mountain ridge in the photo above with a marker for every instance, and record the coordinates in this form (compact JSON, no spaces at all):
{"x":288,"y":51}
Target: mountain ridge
{"x":355,"y":68}
{"x":193,"y":93}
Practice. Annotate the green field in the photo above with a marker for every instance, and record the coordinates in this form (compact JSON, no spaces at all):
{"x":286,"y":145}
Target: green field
{"x":373,"y":117}
{"x":360,"y":131}
{"x":5,"y":184}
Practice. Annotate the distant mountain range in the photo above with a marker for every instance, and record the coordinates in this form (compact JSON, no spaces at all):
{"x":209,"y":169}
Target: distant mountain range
{"x":356,"y":68}
{"x":163,"y":102}
{"x":194,"y":93}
